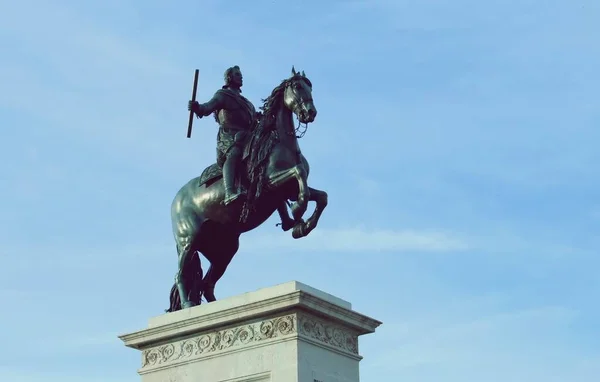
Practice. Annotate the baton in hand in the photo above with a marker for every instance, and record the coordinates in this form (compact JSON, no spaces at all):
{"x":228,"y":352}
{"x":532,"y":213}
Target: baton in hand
{"x":189,"y":130}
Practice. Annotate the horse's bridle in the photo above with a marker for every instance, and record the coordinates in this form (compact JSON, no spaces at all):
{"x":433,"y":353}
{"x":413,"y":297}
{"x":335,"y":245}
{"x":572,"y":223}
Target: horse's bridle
{"x":297,"y":131}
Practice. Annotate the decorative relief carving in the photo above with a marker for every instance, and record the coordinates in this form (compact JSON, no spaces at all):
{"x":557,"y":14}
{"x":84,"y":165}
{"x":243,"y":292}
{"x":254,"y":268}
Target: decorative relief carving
{"x":332,"y":335}
{"x":299,"y":323}
{"x":219,"y":340}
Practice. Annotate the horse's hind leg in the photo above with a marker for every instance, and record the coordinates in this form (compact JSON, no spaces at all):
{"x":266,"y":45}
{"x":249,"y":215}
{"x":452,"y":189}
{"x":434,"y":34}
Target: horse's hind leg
{"x":219,"y":252}
{"x":194,"y":276}
{"x":181,"y":278}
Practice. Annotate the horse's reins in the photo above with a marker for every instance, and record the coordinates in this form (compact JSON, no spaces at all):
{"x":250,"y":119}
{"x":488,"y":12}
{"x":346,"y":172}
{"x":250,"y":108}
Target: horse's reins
{"x":303,"y":130}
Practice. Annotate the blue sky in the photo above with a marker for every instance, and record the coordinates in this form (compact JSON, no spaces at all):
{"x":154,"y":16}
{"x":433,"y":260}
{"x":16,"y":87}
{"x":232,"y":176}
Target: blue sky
{"x":457,"y":141}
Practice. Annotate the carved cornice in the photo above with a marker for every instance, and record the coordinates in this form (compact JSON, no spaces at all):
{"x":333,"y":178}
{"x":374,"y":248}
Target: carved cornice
{"x":299,"y":325}
{"x":328,"y":334}
{"x":220,"y":340}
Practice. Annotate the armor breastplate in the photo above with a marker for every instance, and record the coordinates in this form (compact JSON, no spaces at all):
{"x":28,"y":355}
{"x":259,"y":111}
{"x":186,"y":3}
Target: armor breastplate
{"x":239,"y":115}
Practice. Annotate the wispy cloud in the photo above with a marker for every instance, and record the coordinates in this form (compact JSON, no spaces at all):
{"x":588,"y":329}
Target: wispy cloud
{"x":350,"y":240}
{"x":519,"y":345}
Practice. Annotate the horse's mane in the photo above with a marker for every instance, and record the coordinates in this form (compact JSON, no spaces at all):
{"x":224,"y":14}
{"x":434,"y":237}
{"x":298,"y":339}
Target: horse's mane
{"x":260,"y":144}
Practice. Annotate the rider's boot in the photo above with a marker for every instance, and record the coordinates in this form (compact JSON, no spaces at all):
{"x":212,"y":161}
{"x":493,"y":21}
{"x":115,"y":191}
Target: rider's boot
{"x":229,"y":171}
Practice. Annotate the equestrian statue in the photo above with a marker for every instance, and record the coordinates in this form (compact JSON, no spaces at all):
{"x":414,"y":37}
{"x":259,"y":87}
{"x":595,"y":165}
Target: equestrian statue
{"x":259,"y":169}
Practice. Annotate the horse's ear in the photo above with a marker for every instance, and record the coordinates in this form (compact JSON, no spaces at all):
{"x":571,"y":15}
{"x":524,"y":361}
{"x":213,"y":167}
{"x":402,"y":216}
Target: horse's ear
{"x":303,"y":75}
{"x":293,"y":71}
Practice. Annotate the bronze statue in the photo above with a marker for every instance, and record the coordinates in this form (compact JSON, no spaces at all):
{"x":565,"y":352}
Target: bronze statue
{"x":265,"y":160}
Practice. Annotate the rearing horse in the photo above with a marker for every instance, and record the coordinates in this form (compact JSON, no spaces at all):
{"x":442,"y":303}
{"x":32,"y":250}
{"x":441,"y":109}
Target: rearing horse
{"x":276,"y":171}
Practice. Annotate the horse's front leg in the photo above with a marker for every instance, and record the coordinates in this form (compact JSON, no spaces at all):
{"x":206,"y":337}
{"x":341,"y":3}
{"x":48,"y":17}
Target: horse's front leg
{"x":301,"y":204}
{"x":298,"y":174}
{"x":304,"y":228}
{"x":287,"y":222}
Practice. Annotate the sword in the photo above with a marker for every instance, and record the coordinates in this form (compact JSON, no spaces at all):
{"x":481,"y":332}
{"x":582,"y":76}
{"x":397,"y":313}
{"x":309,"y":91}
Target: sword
{"x":189,"y":131}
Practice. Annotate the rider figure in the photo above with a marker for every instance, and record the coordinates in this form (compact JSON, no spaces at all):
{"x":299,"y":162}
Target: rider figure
{"x":236,"y":117}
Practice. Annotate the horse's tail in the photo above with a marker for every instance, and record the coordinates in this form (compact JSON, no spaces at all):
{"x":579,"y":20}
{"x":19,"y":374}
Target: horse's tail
{"x":175,"y":301}
{"x":192,"y":273}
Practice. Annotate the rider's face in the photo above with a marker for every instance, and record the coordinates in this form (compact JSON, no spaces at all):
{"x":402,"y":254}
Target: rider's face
{"x":237,"y":78}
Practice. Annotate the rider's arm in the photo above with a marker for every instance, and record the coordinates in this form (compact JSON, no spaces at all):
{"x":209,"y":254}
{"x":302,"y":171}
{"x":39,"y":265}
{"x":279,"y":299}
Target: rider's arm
{"x":217,"y":102}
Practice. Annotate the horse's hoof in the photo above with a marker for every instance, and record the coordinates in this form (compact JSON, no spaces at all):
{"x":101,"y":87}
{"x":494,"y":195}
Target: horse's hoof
{"x":299,"y":231}
{"x":209,"y":297}
{"x":189,"y":304}
{"x":289,"y":224}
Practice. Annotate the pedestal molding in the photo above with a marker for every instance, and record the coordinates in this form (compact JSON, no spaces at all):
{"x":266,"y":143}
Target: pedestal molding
{"x":299,"y":299}
{"x":297,"y":325}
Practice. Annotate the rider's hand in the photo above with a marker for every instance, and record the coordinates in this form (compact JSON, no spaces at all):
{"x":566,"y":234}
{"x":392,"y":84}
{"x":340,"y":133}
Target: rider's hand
{"x":194,"y":106}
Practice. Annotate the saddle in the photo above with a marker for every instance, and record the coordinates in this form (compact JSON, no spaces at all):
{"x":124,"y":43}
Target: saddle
{"x":214,"y":172}
{"x":256,"y":151}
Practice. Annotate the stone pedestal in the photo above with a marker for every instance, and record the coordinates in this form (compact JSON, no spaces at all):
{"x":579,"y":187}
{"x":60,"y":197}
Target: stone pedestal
{"x":287,"y":333}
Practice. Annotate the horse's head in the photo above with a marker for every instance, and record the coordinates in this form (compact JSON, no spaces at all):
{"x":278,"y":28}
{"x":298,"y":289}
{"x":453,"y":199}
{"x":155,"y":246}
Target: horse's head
{"x":298,"y":97}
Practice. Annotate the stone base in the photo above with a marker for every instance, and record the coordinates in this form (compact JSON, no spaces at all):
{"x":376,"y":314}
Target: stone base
{"x":287,"y":333}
